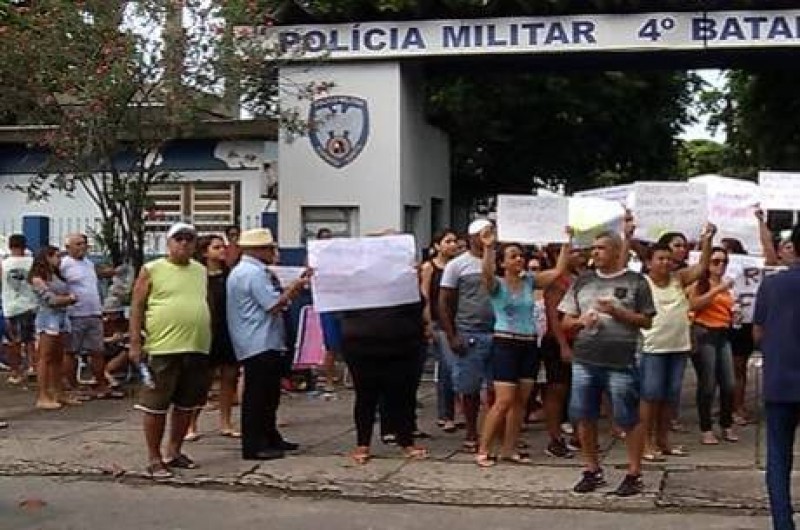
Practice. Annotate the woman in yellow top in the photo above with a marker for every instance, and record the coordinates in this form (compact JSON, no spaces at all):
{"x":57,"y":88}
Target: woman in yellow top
{"x":711,"y":300}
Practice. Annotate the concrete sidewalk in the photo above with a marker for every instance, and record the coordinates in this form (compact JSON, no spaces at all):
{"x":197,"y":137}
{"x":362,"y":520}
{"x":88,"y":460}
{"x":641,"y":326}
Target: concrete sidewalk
{"x":102,"y":440}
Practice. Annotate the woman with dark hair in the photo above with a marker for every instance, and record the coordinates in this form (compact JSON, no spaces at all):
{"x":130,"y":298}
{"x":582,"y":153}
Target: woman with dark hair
{"x":667,"y":344}
{"x":515,"y":347}
{"x":711,"y":301}
{"x":679,"y":246}
{"x":211,"y":252}
{"x":52,"y":326}
{"x":445,"y":247}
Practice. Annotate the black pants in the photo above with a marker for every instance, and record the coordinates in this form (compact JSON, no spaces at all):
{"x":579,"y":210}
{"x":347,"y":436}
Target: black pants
{"x":385,"y":427}
{"x":392,"y":380}
{"x":260,"y":400}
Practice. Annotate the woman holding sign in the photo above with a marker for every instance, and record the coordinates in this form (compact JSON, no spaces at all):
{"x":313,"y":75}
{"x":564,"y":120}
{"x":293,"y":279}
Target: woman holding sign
{"x":711,"y":301}
{"x":515,"y":345}
{"x":667,"y":343}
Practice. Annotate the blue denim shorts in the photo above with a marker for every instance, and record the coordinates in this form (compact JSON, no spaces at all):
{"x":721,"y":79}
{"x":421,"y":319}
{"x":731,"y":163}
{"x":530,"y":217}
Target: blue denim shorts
{"x":52,"y":322}
{"x":589,"y":382}
{"x":514,"y":360}
{"x":662,"y":376}
{"x":473,"y":369}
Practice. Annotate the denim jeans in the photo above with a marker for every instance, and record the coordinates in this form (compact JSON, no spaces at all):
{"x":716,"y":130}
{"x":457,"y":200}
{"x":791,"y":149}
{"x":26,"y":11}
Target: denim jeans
{"x":782,"y":420}
{"x":662,"y":376}
{"x":445,"y":395}
{"x":713,"y":362}
{"x":473,"y":369}
{"x":589,"y":382}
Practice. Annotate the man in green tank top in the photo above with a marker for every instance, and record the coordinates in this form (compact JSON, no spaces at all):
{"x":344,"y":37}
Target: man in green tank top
{"x":170,"y":308}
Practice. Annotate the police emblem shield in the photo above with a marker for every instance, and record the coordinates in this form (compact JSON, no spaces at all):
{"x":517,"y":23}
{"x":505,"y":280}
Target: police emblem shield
{"x":340,"y":128}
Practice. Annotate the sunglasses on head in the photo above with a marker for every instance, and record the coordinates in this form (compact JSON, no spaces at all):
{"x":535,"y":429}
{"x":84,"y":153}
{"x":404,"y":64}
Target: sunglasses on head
{"x":719,"y":261}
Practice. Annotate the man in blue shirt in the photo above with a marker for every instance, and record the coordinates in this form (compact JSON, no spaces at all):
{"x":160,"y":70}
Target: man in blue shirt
{"x":255,"y":307}
{"x":776,"y":328}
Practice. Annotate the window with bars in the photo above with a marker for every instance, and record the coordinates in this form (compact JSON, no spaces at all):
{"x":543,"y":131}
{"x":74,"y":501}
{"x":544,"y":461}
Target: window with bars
{"x":209,"y":206}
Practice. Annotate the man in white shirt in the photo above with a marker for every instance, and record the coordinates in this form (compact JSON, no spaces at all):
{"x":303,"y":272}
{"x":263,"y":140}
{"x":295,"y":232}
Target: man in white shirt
{"x":19,"y":307}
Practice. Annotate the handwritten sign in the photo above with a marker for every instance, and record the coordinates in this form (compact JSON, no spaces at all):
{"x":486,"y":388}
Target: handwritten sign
{"x":747,"y":273}
{"x":731,"y":207}
{"x":588,"y":216}
{"x":532,"y":219}
{"x":363,"y":273}
{"x":622,"y":194}
{"x":779,"y":190}
{"x":662,"y":207}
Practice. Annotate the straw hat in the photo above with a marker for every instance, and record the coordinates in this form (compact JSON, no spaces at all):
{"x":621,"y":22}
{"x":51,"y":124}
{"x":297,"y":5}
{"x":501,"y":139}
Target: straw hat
{"x":256,"y":238}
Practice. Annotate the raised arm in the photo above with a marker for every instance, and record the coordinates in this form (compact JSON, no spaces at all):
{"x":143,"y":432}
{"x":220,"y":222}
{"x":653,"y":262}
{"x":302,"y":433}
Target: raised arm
{"x":765,"y":236}
{"x":545,"y":278}
{"x":689,"y":275}
{"x":488,"y":267}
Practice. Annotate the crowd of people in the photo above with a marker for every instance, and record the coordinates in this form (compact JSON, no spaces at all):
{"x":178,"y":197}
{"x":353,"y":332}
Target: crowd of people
{"x":610,"y":341}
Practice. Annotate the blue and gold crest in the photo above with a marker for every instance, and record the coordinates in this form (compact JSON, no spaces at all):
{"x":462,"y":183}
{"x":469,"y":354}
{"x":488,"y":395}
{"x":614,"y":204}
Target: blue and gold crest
{"x":340,"y":128}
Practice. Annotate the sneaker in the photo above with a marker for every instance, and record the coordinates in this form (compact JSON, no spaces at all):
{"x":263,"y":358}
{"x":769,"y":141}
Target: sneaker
{"x":558,"y":449}
{"x":573,"y":444}
{"x":630,"y":485}
{"x":567,"y":428}
{"x":590,"y":481}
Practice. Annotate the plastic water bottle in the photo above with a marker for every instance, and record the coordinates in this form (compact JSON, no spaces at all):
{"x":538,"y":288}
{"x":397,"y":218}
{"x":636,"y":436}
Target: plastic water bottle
{"x":146,"y":375}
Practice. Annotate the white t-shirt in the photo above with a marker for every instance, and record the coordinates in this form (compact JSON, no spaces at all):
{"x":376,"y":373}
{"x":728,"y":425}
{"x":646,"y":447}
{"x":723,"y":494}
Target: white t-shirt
{"x":18,"y":296}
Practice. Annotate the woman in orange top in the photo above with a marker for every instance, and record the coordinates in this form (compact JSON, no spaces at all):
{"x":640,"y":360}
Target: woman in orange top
{"x":711,"y":301}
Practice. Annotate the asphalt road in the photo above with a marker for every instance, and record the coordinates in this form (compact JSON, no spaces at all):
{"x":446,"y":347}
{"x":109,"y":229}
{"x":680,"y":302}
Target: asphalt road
{"x":36,"y":503}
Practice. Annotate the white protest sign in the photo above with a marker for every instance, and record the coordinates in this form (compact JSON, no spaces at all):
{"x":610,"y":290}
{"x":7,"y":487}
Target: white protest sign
{"x":588,"y":216}
{"x":661,"y":207}
{"x":779,"y":190}
{"x":622,"y":194}
{"x":532,"y":218}
{"x":363,"y":273}
{"x":286,"y":275}
{"x":747,"y":273}
{"x":731,"y":207}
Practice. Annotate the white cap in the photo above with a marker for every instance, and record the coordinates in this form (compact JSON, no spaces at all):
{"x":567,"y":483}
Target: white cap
{"x":477,"y":226}
{"x":179,"y":227}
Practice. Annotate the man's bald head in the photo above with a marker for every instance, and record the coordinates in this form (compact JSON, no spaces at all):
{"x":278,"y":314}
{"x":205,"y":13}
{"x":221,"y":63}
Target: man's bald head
{"x":76,"y":245}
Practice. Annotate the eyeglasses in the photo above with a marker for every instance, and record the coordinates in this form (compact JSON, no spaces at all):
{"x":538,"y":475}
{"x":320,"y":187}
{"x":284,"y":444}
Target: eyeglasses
{"x":719,"y":262}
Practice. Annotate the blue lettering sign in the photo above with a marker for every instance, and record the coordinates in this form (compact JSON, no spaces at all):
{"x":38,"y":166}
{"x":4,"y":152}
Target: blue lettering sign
{"x":455,"y":37}
{"x":414,"y":39}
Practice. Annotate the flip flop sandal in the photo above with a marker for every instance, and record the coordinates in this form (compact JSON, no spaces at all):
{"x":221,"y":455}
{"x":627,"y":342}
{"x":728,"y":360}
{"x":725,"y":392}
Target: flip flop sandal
{"x":361,"y":456}
{"x":415,"y":453}
{"x":182,"y":462}
{"x":654,"y":456}
{"x":470,"y":446}
{"x":484,"y":460}
{"x":732,"y":438}
{"x":192,"y":437}
{"x":518,"y":458}
{"x":449,"y":429}
{"x":158,"y":471}
{"x":677,"y":450}
{"x":230,"y":434}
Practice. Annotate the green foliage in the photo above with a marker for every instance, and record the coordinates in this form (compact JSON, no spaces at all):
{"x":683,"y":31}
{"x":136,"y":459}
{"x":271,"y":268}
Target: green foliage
{"x":512,"y":130}
{"x":117,"y":81}
{"x":702,"y":157}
